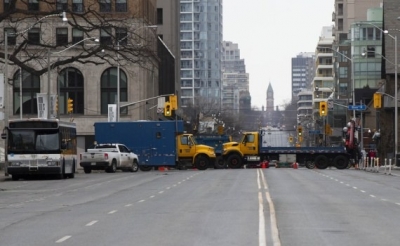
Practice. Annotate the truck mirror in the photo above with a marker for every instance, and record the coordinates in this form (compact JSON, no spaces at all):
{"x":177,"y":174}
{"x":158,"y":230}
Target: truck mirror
{"x":3,"y":135}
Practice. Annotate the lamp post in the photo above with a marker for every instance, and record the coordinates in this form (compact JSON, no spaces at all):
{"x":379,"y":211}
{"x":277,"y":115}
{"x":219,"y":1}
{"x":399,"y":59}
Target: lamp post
{"x":6,"y":34}
{"x":118,"y":71}
{"x":49,"y":68}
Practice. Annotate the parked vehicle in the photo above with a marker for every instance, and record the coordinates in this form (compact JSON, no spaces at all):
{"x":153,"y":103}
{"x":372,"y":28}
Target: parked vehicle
{"x":157,"y":143}
{"x":109,"y":157}
{"x":215,"y":141}
{"x":251,"y":150}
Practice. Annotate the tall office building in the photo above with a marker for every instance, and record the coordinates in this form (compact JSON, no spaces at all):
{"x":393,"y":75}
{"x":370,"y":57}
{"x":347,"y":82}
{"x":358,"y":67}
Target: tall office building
{"x":235,"y":80}
{"x":201,"y":47}
{"x":303,"y":71}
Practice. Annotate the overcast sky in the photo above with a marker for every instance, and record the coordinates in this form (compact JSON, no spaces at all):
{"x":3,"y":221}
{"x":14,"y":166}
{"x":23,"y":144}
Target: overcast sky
{"x":269,"y":33}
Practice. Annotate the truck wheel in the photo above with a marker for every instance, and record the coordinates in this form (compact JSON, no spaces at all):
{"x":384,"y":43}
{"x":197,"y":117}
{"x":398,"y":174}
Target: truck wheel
{"x":113,"y":167}
{"x":201,"y":162}
{"x":234,"y":161}
{"x":321,"y":162}
{"x":87,"y":169}
{"x":310,"y":165}
{"x":219,"y":163}
{"x":145,"y":168}
{"x":134,"y":167}
{"x":341,"y":162}
{"x":72,"y":174}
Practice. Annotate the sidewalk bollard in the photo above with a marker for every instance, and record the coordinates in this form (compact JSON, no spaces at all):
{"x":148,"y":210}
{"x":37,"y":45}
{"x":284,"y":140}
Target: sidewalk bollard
{"x":377,"y":164}
{"x":390,"y":166}
{"x":384,"y":167}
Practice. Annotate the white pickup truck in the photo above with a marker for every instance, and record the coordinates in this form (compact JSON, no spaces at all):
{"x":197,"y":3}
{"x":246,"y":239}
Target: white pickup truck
{"x":109,"y":157}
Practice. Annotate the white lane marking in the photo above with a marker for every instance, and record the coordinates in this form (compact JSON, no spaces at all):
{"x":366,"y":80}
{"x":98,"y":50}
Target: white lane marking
{"x":341,"y":182}
{"x":160,"y":192}
{"x":354,"y":187}
{"x":152,"y":196}
{"x":363,"y":191}
{"x":397,"y":203}
{"x":113,"y":211}
{"x":62,"y":239}
{"x":128,"y":205}
{"x":141,"y":200}
{"x":372,"y":196}
{"x":262,"y":240}
{"x":92,"y":223}
{"x":272,"y":214}
{"x":168,"y":188}
{"x":383,"y":199}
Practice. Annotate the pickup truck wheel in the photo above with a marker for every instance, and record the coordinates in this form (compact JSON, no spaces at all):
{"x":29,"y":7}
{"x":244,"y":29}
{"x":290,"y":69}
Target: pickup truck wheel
{"x":234,"y":161}
{"x":135,"y":167}
{"x":87,"y":170}
{"x":145,"y":168}
{"x":113,"y":167}
{"x":201,"y":162}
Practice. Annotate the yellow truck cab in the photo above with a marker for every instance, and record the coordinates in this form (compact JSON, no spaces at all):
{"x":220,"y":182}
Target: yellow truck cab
{"x":248,"y":147}
{"x":190,"y":153}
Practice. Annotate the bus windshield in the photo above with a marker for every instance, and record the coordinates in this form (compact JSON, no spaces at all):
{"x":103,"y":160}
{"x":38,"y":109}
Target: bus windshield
{"x":29,"y":141}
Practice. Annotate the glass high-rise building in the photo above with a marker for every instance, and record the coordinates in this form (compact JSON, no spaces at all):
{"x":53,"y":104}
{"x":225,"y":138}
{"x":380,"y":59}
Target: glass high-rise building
{"x":201,"y":49}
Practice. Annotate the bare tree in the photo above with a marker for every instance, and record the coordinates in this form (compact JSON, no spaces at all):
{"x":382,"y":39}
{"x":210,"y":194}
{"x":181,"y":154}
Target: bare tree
{"x":123,"y":39}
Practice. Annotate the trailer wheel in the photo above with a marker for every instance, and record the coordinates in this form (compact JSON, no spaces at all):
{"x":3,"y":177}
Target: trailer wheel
{"x":234,"y":161}
{"x":145,"y":168}
{"x":87,"y":169}
{"x":202,"y":162}
{"x":341,"y":162}
{"x":310,"y":165}
{"x":219,"y":163}
{"x":134,"y":168}
{"x":321,"y":162}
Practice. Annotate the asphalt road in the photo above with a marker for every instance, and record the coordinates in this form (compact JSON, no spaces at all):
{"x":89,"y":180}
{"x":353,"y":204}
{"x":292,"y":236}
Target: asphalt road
{"x":275,"y":206}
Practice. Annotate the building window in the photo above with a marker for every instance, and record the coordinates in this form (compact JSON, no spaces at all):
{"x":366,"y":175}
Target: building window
{"x":109,"y":89}
{"x":371,"y":51}
{"x":77,"y":35}
{"x":159,"y":16}
{"x":33,"y":5}
{"x":105,"y":5}
{"x":11,"y":38}
{"x":105,"y":36}
{"x":77,"y":6}
{"x":120,"y":6}
{"x":34,"y":36}
{"x":71,"y":84}
{"x":121,"y":35}
{"x":8,"y":5}
{"x":62,"y":5}
{"x":30,"y":87}
{"x":343,"y":72}
{"x":62,"y":36}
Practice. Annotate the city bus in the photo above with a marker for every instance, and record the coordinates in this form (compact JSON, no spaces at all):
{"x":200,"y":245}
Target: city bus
{"x":40,"y":147}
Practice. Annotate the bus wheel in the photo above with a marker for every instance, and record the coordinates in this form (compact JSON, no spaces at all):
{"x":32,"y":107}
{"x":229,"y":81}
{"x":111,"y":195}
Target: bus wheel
{"x":321,"y":162}
{"x":234,"y":161}
{"x":87,"y":169}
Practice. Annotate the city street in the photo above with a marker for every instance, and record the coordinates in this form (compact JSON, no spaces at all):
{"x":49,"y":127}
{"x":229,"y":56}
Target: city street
{"x":275,"y":206}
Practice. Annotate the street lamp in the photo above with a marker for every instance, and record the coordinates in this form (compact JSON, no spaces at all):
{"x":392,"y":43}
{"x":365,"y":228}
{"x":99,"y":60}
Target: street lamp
{"x":118,"y":71}
{"x":48,"y":69}
{"x":64,"y":18}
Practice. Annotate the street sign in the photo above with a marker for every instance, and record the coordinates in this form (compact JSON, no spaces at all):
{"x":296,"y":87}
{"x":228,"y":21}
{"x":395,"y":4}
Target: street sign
{"x":357,"y":107}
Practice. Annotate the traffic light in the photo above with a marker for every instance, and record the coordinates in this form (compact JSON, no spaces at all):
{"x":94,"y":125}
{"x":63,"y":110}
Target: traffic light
{"x":70,"y":105}
{"x":323,"y":109}
{"x":290,"y":139}
{"x":377,"y":100}
{"x":57,"y":104}
{"x":173,"y":101}
{"x":300,"y":131}
{"x":167,"y":109}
